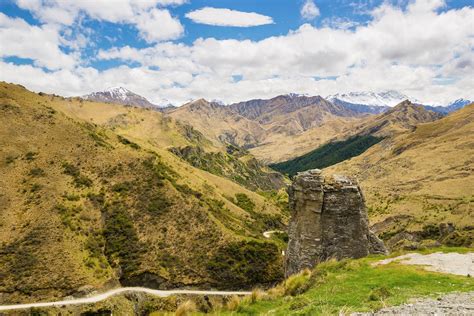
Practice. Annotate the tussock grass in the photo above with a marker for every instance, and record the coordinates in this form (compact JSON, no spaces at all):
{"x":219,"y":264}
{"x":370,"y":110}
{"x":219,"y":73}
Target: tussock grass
{"x":350,"y":285}
{"x":186,"y":308}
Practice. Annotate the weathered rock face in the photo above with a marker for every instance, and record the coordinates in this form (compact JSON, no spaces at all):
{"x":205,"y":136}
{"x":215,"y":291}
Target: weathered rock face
{"x":328,"y":220}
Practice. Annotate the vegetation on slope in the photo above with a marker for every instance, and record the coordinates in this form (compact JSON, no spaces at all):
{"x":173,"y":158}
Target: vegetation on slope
{"x":328,"y":154}
{"x":419,"y":184}
{"x":117,"y":206}
{"x":242,"y":170}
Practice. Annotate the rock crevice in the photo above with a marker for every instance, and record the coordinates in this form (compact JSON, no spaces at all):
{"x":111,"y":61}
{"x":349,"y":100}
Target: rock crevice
{"x":328,"y":220}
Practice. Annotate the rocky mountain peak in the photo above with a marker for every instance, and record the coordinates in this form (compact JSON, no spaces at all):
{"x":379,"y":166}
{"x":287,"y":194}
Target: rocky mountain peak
{"x":119,"y":95}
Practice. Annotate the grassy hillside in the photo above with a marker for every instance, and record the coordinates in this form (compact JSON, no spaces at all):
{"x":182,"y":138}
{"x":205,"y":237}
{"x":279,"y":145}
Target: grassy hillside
{"x":419,"y":185}
{"x":235,"y":164}
{"x":347,"y":286}
{"x":90,"y":195}
{"x":327,"y":155}
{"x":356,"y":139}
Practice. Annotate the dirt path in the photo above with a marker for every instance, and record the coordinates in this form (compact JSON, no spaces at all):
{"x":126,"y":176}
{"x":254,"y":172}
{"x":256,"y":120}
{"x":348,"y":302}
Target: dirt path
{"x":453,"y":263}
{"x":103,"y":296}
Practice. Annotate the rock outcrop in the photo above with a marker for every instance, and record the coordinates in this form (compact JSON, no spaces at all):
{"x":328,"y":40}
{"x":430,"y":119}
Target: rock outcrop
{"x":328,"y":220}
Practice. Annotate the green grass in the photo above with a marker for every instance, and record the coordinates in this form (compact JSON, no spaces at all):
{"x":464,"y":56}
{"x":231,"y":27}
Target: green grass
{"x":328,"y":154}
{"x":352,"y":285}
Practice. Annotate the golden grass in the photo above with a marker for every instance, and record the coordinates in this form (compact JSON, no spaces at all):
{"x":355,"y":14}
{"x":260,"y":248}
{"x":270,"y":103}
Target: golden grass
{"x":186,"y":308}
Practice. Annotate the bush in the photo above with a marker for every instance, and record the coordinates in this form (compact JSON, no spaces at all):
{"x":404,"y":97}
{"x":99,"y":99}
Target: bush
{"x":30,"y":155}
{"x":122,"y":245}
{"x":125,"y":141}
{"x":82,"y":181}
{"x":244,"y":202}
{"x":36,"y":172}
{"x":246,"y":262}
{"x":379,"y":294}
{"x":70,"y":169}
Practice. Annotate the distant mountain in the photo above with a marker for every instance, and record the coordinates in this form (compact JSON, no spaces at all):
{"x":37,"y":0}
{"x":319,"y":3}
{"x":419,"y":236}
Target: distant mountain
{"x":361,"y":108}
{"x":305,"y":111}
{"x":385,"y":99}
{"x":272,"y":129}
{"x":453,"y":106}
{"x":120,"y":95}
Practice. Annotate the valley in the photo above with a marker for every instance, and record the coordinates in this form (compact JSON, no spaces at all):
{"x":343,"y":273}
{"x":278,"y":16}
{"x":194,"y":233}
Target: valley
{"x":127,"y":193}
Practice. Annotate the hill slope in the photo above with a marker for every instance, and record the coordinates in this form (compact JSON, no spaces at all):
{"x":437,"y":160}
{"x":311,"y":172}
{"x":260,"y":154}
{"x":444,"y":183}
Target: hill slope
{"x":87,"y":199}
{"x":400,"y":119}
{"x":272,"y":130}
{"x":420,"y":185}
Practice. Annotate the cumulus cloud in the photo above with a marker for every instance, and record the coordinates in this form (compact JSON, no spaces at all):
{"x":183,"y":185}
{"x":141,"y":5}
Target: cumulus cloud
{"x":157,"y":25}
{"x":419,"y":50}
{"x":227,"y":17}
{"x":39,"y":43}
{"x":153,"y":24}
{"x":309,"y":10}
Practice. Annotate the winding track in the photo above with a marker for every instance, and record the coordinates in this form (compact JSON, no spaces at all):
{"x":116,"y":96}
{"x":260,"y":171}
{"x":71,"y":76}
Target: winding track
{"x":102,"y":296}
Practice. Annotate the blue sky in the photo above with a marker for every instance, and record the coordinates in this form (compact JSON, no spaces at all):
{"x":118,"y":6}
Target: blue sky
{"x":178,"y":50}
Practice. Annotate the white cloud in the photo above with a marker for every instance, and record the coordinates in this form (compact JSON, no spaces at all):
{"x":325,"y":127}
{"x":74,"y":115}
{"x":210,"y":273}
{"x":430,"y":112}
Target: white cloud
{"x":227,"y":17}
{"x":309,"y":10}
{"x":420,"y":51}
{"x":152,"y":23}
{"x":157,"y":25}
{"x":39,"y":43}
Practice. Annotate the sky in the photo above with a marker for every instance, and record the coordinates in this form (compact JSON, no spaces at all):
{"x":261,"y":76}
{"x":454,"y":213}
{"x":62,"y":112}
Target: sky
{"x":174,"y":51}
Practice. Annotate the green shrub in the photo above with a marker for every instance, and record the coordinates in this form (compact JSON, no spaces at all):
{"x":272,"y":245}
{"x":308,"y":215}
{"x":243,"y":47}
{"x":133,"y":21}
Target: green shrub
{"x":244,"y":202}
{"x":122,"y":245}
{"x":70,"y":169}
{"x":30,"y":155}
{"x":36,"y":172}
{"x":122,"y":186}
{"x":125,"y":141}
{"x":379,"y":294}
{"x":246,"y":262}
{"x":82,"y":181}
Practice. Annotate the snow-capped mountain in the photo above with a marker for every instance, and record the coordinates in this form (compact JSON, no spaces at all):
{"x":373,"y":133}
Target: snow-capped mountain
{"x":384,"y":99}
{"x":120,"y":95}
{"x":453,"y":106}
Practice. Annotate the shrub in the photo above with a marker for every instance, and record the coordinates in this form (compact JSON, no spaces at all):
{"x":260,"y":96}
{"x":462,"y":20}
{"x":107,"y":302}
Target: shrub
{"x":244,"y":202}
{"x":379,"y":294}
{"x":82,"y":181}
{"x":121,"y":187}
{"x":35,"y":187}
{"x":70,"y":169}
{"x":125,"y":141}
{"x":10,"y":159}
{"x":30,"y":155}
{"x":122,"y":245}
{"x":246,"y":262}
{"x":36,"y":172}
